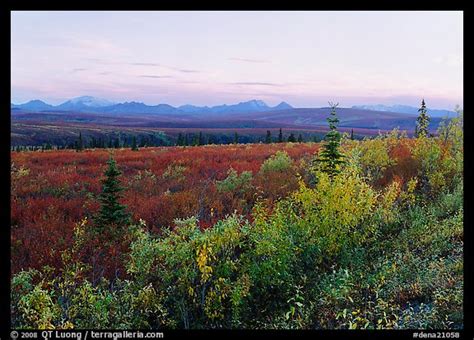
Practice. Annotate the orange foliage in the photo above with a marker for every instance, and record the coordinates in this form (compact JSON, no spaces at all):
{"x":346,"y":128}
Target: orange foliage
{"x":405,"y":166}
{"x":162,"y":183}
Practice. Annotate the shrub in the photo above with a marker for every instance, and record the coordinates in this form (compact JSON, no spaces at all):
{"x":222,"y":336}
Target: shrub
{"x":374,"y":157}
{"x":338,"y":211}
{"x":347,"y":252}
{"x":279,"y":162}
{"x":235,"y":183}
{"x":438,"y":168}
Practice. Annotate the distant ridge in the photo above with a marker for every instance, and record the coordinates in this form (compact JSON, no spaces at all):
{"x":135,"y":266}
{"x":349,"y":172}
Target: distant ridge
{"x":33,"y":105}
{"x":84,"y":103}
{"x":406,"y":109}
{"x":282,"y":106}
{"x":91,"y":104}
{"x":249,"y":114}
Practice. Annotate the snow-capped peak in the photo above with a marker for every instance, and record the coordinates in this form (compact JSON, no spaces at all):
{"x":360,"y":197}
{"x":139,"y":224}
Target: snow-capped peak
{"x":258,"y":103}
{"x":91,"y":101}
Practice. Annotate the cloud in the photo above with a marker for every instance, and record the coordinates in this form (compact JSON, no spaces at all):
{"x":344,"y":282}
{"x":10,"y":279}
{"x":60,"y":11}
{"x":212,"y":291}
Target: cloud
{"x":97,"y":45}
{"x":185,"y":71}
{"x":145,"y":64}
{"x":102,"y":61}
{"x":256,"y":84}
{"x":153,"y":76}
{"x":245,"y":60}
{"x":449,"y":60}
{"x":79,"y":69}
{"x":174,"y":68}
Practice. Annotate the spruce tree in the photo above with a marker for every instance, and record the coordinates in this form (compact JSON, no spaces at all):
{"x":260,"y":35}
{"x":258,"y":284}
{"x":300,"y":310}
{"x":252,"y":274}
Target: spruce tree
{"x":180,"y":140}
{"x":81,"y":142}
{"x":268,"y":138}
{"x":300,"y":138}
{"x":79,"y":145}
{"x":195,"y":140}
{"x":236,"y":138}
{"x":291,"y":138}
{"x":200,"y":139}
{"x":109,"y":228}
{"x":280,"y":137}
{"x":330,"y":156}
{"x":210,"y":139}
{"x":422,"y":121}
{"x":134,"y":144}
{"x":112,"y":215}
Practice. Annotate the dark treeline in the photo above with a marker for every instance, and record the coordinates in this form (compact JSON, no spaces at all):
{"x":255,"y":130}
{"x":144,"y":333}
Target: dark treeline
{"x":200,"y":138}
{"x":136,"y":141}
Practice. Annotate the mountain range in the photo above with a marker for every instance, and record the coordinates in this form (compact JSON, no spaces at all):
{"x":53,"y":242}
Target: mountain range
{"x":253,"y":114}
{"x":88,"y":104}
{"x":406,"y":109}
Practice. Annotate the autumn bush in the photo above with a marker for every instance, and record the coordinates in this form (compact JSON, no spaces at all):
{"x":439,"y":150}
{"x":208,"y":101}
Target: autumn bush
{"x":52,"y":190}
{"x":251,"y":237}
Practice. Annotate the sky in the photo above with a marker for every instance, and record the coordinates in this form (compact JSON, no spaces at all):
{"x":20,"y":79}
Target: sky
{"x":209,"y":58}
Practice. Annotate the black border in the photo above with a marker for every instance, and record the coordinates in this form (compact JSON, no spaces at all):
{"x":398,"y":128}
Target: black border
{"x":5,"y":20}
{"x":5,"y":185}
{"x":468,"y":194}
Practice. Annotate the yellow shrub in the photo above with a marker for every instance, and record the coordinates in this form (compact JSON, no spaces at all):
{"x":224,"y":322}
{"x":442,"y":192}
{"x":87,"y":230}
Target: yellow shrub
{"x":204,"y":255}
{"x":374,"y":157}
{"x":438,"y":166}
{"x":337,"y":209}
{"x":408,"y":197}
{"x":387,"y":201}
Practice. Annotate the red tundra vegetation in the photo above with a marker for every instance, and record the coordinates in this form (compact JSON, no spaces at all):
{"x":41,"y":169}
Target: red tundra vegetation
{"x":54,"y":190}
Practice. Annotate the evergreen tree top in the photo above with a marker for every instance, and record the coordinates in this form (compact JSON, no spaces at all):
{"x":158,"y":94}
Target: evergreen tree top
{"x":423,"y":106}
{"x":422,"y":122}
{"x":330,"y":156}
{"x":112,"y":169}
{"x":332,"y":119}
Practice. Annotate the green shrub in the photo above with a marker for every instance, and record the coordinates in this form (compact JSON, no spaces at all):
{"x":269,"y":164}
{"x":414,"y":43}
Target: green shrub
{"x":279,"y":162}
{"x":235,"y":183}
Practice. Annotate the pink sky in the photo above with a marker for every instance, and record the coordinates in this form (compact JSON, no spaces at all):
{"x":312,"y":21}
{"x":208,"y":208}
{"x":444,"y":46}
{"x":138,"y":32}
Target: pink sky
{"x":210,"y":58}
